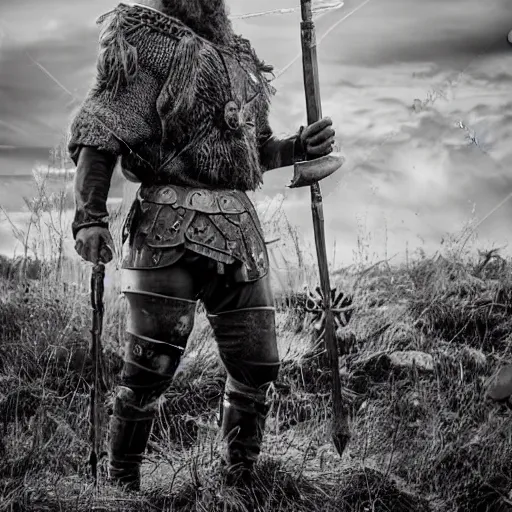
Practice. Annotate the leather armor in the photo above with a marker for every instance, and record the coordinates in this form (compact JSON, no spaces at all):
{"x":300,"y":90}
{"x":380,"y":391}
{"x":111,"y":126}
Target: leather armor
{"x":222,"y":225}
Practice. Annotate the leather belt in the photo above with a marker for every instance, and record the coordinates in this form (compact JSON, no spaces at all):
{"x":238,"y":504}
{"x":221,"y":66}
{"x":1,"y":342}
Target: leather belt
{"x":203,"y":200}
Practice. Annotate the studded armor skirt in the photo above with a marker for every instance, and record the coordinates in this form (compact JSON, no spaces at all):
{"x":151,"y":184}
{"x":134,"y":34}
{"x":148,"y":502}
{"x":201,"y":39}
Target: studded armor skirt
{"x":166,"y":220}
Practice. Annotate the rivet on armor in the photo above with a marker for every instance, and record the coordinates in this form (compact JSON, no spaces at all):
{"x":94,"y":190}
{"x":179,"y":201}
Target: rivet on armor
{"x":137,"y":350}
{"x":183,"y":325}
{"x":175,"y":227}
{"x":232,"y":115}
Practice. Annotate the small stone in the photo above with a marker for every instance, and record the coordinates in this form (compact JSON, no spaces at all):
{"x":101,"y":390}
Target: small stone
{"x":376,"y":365}
{"x":379,"y":366}
{"x":500,"y":387}
{"x":410,"y":358}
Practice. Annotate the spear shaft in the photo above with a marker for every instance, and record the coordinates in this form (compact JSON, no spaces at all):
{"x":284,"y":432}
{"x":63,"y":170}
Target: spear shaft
{"x":340,"y":427}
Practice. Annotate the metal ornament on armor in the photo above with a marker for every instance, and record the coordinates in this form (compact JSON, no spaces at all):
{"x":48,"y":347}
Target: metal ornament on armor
{"x":232,"y":115}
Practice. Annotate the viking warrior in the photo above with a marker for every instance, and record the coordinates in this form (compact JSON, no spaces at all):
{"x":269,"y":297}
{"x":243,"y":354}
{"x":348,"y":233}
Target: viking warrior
{"x":183,"y":102}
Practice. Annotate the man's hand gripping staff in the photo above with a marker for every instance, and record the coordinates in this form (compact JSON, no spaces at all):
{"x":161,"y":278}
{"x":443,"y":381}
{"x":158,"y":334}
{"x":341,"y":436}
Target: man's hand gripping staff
{"x":95,"y":244}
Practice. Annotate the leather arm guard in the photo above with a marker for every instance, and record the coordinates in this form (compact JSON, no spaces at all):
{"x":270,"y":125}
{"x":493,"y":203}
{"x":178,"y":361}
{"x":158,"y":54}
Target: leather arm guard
{"x":118,"y":116}
{"x":92,"y":183}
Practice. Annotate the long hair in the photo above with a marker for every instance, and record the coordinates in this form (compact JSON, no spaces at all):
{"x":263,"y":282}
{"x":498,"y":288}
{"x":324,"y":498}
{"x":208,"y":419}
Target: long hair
{"x":207,"y":18}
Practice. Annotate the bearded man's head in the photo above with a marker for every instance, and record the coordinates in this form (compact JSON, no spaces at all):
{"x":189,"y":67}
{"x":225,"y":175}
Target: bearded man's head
{"x":207,"y":18}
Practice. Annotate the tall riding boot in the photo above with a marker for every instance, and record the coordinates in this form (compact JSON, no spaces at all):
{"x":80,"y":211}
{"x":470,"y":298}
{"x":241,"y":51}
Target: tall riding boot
{"x":130,"y":428}
{"x":243,"y":425}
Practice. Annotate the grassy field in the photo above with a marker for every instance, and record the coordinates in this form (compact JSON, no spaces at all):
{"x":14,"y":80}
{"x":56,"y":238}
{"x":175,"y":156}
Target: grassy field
{"x":424,"y":341}
{"x":424,"y":435}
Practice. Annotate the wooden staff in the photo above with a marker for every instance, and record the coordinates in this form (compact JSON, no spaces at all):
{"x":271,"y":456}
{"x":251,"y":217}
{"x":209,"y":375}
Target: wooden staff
{"x":97,"y":384}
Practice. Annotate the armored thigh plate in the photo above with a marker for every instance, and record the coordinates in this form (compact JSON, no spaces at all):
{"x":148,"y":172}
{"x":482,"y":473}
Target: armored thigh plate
{"x":158,"y":328}
{"x":220,"y":224}
{"x":247,"y":344}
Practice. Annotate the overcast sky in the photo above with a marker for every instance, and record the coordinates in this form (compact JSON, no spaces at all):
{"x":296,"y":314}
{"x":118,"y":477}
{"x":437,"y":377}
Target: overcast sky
{"x":411,"y":177}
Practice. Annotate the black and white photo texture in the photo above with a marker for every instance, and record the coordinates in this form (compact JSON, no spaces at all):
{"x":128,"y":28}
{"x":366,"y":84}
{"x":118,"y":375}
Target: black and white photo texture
{"x":255,"y":255}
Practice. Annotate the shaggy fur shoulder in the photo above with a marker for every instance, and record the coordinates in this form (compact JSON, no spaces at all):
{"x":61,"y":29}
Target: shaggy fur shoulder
{"x":156,"y":16}
{"x":161,"y":94}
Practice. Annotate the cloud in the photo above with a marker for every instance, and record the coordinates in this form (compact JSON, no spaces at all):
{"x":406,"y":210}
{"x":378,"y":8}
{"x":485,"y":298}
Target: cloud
{"x":413,"y":178}
{"x":39,"y":83}
{"x":413,"y":31}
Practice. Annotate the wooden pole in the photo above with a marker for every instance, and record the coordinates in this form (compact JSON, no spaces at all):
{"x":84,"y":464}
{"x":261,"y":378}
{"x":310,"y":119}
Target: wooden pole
{"x":97,"y":384}
{"x":340,"y":427}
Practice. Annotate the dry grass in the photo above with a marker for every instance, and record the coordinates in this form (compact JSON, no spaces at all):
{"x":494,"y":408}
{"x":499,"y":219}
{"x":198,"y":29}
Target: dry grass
{"x":423,"y":440}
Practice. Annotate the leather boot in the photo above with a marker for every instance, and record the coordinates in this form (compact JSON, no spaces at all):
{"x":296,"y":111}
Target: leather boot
{"x":130,"y":428}
{"x":243,"y":425}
